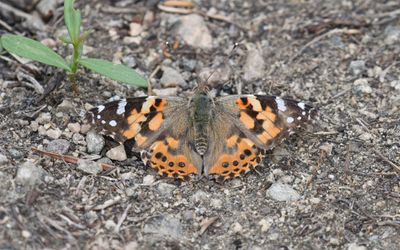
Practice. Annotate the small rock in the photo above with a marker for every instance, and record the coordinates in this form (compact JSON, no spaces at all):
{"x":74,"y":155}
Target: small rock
{"x":54,"y":133}
{"x":164,"y":226}
{"x":26,"y":234}
{"x":78,"y":139}
{"x":85,"y":128}
{"x":3,"y":160}
{"x":28,"y":174}
{"x":129,"y":61}
{"x":132,"y":40}
{"x":334,"y":241}
{"x":194,"y":31}
{"x":189,"y":65}
{"x":135,"y":29}
{"x":166,"y":92}
{"x":88,"y":166}
{"x":148,"y":180}
{"x":362,"y":86}
{"x":90,"y":217}
{"x":327,"y":148}
{"x":216,"y":203}
{"x":165,"y":189}
{"x":110,"y":225}
{"x":132,"y":245}
{"x":65,"y":106}
{"x":95,"y":142}
{"x":392,"y":35}
{"x":171,"y":78}
{"x":199,"y":196}
{"x":15,"y":153}
{"x":51,"y":43}
{"x":34,"y":126}
{"x":43,"y":118}
{"x":395,"y":84}
{"x":254,"y":67}
{"x":265,"y":225}
{"x":117,"y":153}
{"x":74,"y":127}
{"x":60,"y":146}
{"x":282,"y":192}
{"x":355,"y":246}
{"x":236,"y":227}
{"x":46,"y":8}
{"x":357,"y":67}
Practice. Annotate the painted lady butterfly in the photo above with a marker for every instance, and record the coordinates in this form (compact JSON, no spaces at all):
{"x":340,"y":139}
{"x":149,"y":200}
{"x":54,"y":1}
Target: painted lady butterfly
{"x":179,"y":137}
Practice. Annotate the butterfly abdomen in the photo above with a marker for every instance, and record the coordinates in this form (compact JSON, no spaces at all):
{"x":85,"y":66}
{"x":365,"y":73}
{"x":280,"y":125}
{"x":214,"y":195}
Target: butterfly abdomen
{"x":202,"y":106}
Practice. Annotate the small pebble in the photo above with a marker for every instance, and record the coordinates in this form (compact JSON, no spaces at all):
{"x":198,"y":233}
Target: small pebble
{"x":392,"y":35}
{"x":362,"y":86}
{"x":282,"y":192}
{"x":95,"y":142}
{"x":254,"y":67}
{"x":89,"y":167}
{"x":236,"y":227}
{"x":43,"y":118}
{"x":161,"y":225}
{"x":199,"y":197}
{"x":265,"y":225}
{"x":357,"y":67}
{"x":15,"y":153}
{"x":355,"y":246}
{"x":148,"y":180}
{"x":171,"y":77}
{"x":65,"y":106}
{"x":194,"y":31}
{"x":74,"y":127}
{"x":135,"y":29}
{"x":3,"y":160}
{"x":54,"y":133}
{"x":60,"y":146}
{"x":165,"y":189}
{"x":28,"y":174}
{"x":117,"y":153}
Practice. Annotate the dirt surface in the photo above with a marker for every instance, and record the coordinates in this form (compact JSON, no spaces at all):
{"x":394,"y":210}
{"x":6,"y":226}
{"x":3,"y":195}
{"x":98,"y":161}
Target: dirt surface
{"x":341,"y":56}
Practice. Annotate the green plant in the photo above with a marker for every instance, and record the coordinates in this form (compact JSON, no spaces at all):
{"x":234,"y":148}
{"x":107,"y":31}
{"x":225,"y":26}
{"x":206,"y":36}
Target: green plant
{"x":36,"y":51}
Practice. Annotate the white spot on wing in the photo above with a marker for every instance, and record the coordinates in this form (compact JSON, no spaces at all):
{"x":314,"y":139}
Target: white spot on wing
{"x":303,"y":113}
{"x":299,"y":118}
{"x":98,"y":117}
{"x":301,"y":105}
{"x":121,"y":107}
{"x":100,"y":108}
{"x":103,"y":122}
{"x":281,"y":104}
{"x":113,"y":123}
{"x":289,"y":119}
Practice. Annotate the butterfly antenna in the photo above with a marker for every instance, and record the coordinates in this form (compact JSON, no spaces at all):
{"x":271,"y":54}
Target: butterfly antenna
{"x":235,"y":45}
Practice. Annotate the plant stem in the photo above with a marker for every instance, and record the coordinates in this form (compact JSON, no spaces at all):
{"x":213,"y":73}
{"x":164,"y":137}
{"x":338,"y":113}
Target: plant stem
{"x":75,"y":57}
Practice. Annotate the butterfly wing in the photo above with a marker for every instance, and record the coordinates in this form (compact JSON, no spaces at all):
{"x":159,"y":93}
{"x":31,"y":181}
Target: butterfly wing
{"x":156,"y":126}
{"x":257,"y":123}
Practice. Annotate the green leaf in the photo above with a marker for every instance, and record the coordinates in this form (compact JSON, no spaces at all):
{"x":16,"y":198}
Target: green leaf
{"x":33,"y":50}
{"x":116,"y":72}
{"x":72,"y":19}
{"x":1,"y":46}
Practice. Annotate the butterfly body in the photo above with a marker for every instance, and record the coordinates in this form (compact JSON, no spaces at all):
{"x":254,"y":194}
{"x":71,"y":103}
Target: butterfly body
{"x":201,"y":135}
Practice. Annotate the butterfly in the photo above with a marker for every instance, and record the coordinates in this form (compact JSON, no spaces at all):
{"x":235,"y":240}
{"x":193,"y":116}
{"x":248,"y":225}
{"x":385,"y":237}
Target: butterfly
{"x":201,"y":135}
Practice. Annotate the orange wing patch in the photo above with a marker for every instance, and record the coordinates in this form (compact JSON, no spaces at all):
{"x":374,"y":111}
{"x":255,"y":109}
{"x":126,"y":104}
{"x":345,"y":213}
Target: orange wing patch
{"x":259,"y":118}
{"x":166,"y":163}
{"x":245,"y":156}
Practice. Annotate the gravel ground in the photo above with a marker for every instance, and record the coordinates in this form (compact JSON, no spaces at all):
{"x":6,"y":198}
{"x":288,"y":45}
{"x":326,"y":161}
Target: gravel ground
{"x":334,"y":185}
